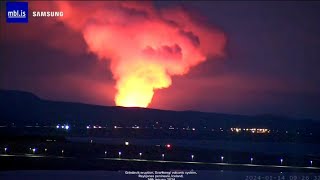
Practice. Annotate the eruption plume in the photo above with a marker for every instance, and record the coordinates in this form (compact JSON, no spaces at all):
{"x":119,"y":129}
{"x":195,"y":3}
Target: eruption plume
{"x":146,"y":46}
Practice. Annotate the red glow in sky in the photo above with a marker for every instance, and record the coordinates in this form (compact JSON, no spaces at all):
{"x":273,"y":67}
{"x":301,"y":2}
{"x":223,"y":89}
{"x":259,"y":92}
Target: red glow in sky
{"x":146,"y":46}
{"x":107,"y":53}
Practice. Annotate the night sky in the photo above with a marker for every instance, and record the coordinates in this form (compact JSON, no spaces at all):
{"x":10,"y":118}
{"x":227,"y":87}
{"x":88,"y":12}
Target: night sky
{"x":271,"y":62}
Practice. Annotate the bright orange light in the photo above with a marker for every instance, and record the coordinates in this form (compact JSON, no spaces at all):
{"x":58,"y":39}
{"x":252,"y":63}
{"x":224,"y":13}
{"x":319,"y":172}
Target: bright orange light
{"x":136,"y":88}
{"x":145,"y":50}
{"x":134,"y":96}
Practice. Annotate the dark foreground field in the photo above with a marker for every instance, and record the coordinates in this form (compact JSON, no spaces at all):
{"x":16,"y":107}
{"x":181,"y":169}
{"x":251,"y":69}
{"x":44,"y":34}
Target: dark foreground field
{"x":116,"y":175}
{"x":57,"y":153}
{"x":33,"y":162}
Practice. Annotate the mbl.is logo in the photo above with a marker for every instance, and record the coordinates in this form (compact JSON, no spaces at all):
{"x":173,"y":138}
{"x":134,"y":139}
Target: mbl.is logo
{"x":17,"y":12}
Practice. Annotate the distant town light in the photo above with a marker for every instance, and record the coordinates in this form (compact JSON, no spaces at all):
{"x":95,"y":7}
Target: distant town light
{"x":88,"y":127}
{"x":252,"y":130}
{"x":119,"y":154}
{"x":192,"y":156}
{"x":162,"y":156}
{"x":168,"y":146}
{"x":251,"y":159}
{"x":126,"y":143}
{"x":140,"y":154}
{"x":5,"y":149}
{"x":58,"y":126}
{"x":311,"y":163}
{"x":281,"y":161}
{"x":67,"y":127}
{"x":222,"y":158}
{"x":34,"y":150}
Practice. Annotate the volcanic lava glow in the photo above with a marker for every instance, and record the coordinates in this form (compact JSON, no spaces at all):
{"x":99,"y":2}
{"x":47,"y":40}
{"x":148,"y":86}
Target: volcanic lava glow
{"x":145,"y":45}
{"x":136,"y":88}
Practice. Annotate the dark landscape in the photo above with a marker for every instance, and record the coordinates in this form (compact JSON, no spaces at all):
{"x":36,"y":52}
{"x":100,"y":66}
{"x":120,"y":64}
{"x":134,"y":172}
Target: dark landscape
{"x":33,"y":141}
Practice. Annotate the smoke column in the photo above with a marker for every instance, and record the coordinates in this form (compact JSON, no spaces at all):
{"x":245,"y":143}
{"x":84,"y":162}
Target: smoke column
{"x":146,"y":46}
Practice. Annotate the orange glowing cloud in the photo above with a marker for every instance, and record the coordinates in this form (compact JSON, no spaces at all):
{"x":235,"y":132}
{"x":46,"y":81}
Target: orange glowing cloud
{"x":146,"y":46}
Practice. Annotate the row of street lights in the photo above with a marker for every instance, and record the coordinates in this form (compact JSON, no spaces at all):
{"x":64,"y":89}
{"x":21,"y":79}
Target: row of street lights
{"x":119,"y":153}
{"x":34,"y":150}
{"x":222,"y":158}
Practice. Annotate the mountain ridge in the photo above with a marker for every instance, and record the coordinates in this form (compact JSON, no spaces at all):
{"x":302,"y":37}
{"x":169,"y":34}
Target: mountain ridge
{"x":23,"y":108}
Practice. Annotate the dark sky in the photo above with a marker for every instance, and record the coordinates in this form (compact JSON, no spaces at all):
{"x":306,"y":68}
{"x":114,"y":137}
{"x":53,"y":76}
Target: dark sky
{"x":271,"y":64}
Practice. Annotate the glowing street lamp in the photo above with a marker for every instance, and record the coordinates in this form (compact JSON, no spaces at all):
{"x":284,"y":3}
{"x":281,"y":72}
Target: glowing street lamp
{"x":281,"y":161}
{"x":162,"y":156}
{"x":105,"y":153}
{"x":119,"y":154}
{"x":5,"y":150}
{"x":34,"y":150}
{"x":126,"y":143}
{"x":192,"y":156}
{"x":251,"y":159}
{"x":222,"y":159}
{"x":168,"y":146}
{"x":45,"y":150}
{"x":140,"y":154}
{"x":62,"y":151}
{"x":311,"y":163}
{"x":67,"y":127}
